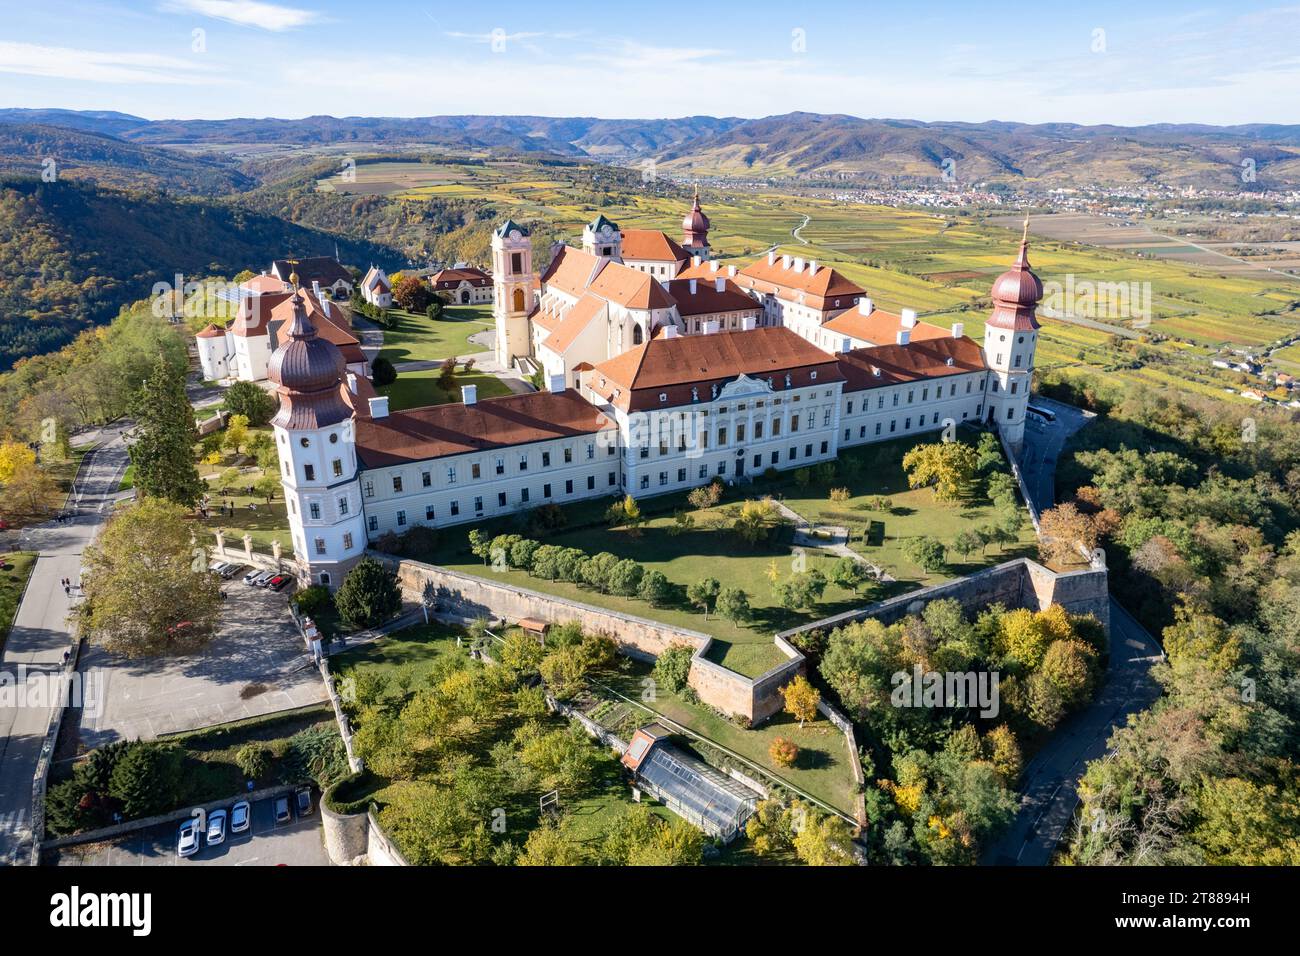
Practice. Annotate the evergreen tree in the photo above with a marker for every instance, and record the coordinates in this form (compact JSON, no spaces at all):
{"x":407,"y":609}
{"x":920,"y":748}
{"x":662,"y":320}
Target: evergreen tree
{"x":165,"y":435}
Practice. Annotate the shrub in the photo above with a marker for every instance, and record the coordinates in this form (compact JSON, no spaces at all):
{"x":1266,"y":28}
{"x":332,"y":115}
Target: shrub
{"x":783,"y":752}
{"x":840,"y":494}
{"x":147,"y":779}
{"x":369,"y":594}
{"x":312,"y":600}
{"x":253,"y":760}
{"x":673,"y":667}
{"x":318,"y":754}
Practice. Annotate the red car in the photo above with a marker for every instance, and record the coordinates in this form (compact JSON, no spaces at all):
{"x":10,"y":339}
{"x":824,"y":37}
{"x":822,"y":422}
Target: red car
{"x":278,"y":582}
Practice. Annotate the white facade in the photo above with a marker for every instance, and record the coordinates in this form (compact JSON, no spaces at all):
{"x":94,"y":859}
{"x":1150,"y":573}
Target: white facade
{"x":1010,"y":357}
{"x":892,"y":411}
{"x":512,"y":283}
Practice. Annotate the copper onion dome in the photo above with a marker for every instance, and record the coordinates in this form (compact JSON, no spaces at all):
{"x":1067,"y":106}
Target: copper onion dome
{"x":1016,"y":292}
{"x":309,"y":373}
{"x":695,"y":220}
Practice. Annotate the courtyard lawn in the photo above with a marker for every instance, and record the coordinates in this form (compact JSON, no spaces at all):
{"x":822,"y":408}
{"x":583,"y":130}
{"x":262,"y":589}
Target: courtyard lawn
{"x":264,"y":524}
{"x":703,"y":552}
{"x":417,"y":389}
{"x":418,"y":338}
{"x":881,"y":535}
{"x":15,"y":568}
{"x":412,"y":651}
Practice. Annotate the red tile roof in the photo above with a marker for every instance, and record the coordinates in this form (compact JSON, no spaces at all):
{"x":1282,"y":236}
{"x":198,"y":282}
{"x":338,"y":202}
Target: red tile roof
{"x":572,"y":270}
{"x":909,"y":363}
{"x":707,"y":299}
{"x":572,"y":325}
{"x":452,"y":278}
{"x":652,"y":245}
{"x":210,"y":331}
{"x":881,"y":327}
{"x":437,"y":431}
{"x":673,"y":366}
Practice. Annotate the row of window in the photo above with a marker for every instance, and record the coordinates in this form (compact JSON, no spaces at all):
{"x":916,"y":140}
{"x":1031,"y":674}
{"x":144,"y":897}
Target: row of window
{"x":720,"y":469}
{"x":502,"y":501}
{"x":498,"y":467}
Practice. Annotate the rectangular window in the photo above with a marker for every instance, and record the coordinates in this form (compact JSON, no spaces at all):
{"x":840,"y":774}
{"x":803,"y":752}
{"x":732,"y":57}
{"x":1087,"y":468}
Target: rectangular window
{"x":428,"y":513}
{"x":794,"y":453}
{"x":426,"y":478}
{"x":347,"y":540}
{"x":681,"y":474}
{"x":455,"y":508}
{"x":878,"y":428}
{"x":568,"y":487}
{"x":794,"y":423}
{"x":823,"y":448}
{"x":546,"y":491}
{"x":663,"y":478}
{"x":451,"y":473}
{"x":568,"y":456}
{"x":475,"y":472}
{"x":776,"y":456}
{"x":758,"y":430}
{"x":907,"y":423}
{"x":372,"y":523}
{"x":523,"y":462}
{"x":722,"y":467}
{"x":320,"y":545}
{"x":740,"y":432}
{"x":314,"y":509}
{"x":776,"y":427}
{"x":645,"y":481}
{"x":546,"y":459}
{"x":704,"y":471}
{"x":613,"y":479}
{"x":501,"y":499}
{"x":893,"y":425}
{"x":343,"y":506}
{"x":478,"y":504}
{"x":401,"y":518}
{"x":309,"y":472}
{"x":523,"y":495}
{"x":500,"y":466}
{"x":807,"y":451}
{"x":338,"y":468}
{"x":591,"y":450}
{"x":722,"y":437}
{"x":591,"y":482}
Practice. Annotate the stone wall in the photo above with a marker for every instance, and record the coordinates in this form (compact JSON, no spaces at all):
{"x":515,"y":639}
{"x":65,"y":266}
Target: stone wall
{"x":1019,"y":583}
{"x":755,"y":699}
{"x":347,"y":836}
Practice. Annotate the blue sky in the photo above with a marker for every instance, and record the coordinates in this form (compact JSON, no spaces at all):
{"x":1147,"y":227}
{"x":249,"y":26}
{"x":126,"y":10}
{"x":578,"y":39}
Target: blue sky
{"x":1125,"y":63}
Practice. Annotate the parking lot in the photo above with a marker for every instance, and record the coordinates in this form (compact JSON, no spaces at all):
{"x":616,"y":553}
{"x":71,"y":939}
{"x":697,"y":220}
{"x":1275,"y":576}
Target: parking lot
{"x":297,"y":843}
{"x":257,"y":664}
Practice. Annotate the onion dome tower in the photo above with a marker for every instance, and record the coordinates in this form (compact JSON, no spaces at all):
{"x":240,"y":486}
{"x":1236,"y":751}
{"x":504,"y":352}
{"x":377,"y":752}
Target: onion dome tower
{"x":316,"y":441}
{"x":1010,"y":338}
{"x":695,"y":229}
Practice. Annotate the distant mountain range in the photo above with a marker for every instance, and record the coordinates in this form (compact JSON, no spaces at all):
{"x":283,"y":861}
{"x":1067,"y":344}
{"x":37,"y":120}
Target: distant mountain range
{"x":796,"y":144}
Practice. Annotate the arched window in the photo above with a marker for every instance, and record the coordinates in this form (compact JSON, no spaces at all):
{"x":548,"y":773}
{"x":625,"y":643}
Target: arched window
{"x":636,"y":335}
{"x":325,"y":577}
{"x":519,"y":300}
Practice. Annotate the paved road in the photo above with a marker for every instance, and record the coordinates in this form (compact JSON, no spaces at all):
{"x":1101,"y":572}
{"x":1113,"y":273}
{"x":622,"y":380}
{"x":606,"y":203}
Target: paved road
{"x":40,"y":633}
{"x":297,"y":843}
{"x":1049,"y":792}
{"x":1042,"y":448}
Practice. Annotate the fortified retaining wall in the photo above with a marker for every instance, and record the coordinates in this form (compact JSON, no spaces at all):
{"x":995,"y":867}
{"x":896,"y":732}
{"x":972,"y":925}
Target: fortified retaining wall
{"x":756,"y":698}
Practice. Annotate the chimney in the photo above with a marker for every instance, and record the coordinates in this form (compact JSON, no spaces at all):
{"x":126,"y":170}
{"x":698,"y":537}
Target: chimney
{"x":785,"y":262}
{"x":904,"y":336}
{"x":846,"y":344}
{"x":865,"y":305}
{"x":692,"y":287}
{"x":771,"y":257}
{"x":352,"y":382}
{"x":469,"y":394}
{"x":748,"y":323}
{"x":719,"y":284}
{"x":711,"y":326}
{"x":731,"y":271}
{"x":812,"y":267}
{"x":909,"y":318}
{"x":714,"y":265}
{"x":670,"y":331}
{"x":554,"y":383}
{"x":958,"y":330}
{"x":798,"y":263}
{"x":315,"y":288}
{"x":695,"y":261}
{"x":379,"y":406}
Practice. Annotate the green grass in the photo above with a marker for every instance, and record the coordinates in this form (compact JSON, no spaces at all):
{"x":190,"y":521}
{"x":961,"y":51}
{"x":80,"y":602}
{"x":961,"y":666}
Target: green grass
{"x":418,"y":389}
{"x":412,"y":650}
{"x":419,"y":338}
{"x":15,"y":568}
{"x":128,"y":479}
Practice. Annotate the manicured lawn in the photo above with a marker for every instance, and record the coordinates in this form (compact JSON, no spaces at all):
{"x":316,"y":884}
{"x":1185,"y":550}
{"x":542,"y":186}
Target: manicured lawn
{"x":417,"y":389}
{"x":419,"y":338}
{"x":128,"y":479}
{"x":411,"y":651}
{"x":15,"y":568}
{"x":684,"y":559}
{"x":912,"y":513}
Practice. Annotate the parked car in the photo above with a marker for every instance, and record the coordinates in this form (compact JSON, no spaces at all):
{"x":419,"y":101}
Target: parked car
{"x":216,"y":827}
{"x":216,"y":567}
{"x":241,"y":816}
{"x":265,"y":578}
{"x":282,"y":814}
{"x":278,"y":582}
{"x":231,"y":570}
{"x":252,"y":576}
{"x":302,"y":796}
{"x":187,"y":838}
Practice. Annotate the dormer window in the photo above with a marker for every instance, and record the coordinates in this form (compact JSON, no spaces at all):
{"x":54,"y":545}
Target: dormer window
{"x":663,"y":397}
{"x":813,"y":375}
{"x":948,"y":360}
{"x":875,"y":371}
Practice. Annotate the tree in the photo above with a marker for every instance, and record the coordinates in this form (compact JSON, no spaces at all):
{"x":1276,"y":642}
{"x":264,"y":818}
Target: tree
{"x":147,"y":779}
{"x":772,"y":827}
{"x":549,"y":846}
{"x":28,"y":489}
{"x":162,"y":446}
{"x":705,"y":496}
{"x":967,"y":542}
{"x":546,"y":562}
{"x":480,"y":545}
{"x":447,"y":374}
{"x":1003,"y":751}
{"x":654,"y":588}
{"x":268,"y":486}
{"x":673,"y":667}
{"x":14,"y":456}
{"x":147,"y":585}
{"x":947,"y":466}
{"x":382,"y":372}
{"x":825,"y":842}
{"x":703,"y":593}
{"x":1001,"y":487}
{"x":236,"y":433}
{"x":256,"y":404}
{"x":434,"y":311}
{"x":1021,"y":637}
{"x":1063,"y":530}
{"x":412,"y":293}
{"x":754,"y":519}
{"x":596,"y":570}
{"x":926,"y":551}
{"x":733,"y":604}
{"x":784,"y":752}
{"x":625,"y":577}
{"x":368,"y":595}
{"x":801,"y":699}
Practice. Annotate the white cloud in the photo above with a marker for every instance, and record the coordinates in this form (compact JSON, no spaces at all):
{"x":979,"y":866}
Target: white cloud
{"x":97,"y":66}
{"x":247,"y":13}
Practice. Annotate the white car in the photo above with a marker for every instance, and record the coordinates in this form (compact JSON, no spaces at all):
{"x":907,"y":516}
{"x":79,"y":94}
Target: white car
{"x":252,"y":576}
{"x":216,"y":827}
{"x":187,"y":838}
{"x":240,"y":816}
